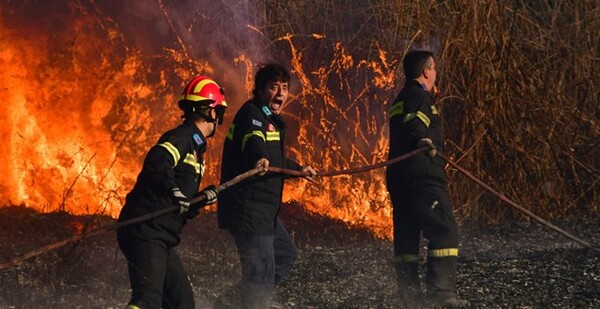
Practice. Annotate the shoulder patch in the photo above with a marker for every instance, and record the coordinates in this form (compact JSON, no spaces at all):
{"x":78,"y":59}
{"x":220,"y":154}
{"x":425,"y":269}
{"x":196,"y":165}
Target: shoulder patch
{"x":198,"y":139}
{"x":256,"y":123}
{"x":266,"y":111}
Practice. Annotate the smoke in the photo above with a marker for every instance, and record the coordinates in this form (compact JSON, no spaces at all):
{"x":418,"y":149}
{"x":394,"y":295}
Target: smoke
{"x":208,"y":36}
{"x":94,"y":84}
{"x":88,"y":86}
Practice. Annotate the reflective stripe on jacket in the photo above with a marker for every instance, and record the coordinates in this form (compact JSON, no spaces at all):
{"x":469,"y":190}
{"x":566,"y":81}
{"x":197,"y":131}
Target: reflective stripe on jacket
{"x":252,"y":206}
{"x":175,"y":161}
{"x":413,"y":117}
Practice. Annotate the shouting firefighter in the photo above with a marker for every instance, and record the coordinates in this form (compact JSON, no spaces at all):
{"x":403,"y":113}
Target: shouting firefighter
{"x":170,"y":176}
{"x":417,"y":188}
{"x":250,"y":209}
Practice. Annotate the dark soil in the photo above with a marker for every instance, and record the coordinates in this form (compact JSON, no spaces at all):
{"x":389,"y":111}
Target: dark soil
{"x":516,"y":265}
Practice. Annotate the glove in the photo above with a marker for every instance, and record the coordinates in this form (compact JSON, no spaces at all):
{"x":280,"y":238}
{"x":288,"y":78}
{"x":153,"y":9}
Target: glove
{"x":181,"y":200}
{"x":211,"y":197}
{"x":427,"y":142}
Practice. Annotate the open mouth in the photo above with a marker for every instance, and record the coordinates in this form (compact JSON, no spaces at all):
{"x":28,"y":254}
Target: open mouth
{"x":276,"y":104}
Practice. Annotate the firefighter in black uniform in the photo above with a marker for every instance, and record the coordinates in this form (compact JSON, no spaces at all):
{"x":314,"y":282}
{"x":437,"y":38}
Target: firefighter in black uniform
{"x":250,"y":209}
{"x":417,"y":188}
{"x":170,"y":176}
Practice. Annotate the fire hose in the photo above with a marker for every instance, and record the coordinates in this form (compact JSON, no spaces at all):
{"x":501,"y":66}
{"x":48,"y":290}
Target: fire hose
{"x":195,"y":200}
{"x":121,"y":224}
{"x":273,"y":169}
{"x":516,"y":206}
{"x":501,"y":196}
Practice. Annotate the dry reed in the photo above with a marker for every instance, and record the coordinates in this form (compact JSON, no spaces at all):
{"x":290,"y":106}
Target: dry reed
{"x":519,"y":91}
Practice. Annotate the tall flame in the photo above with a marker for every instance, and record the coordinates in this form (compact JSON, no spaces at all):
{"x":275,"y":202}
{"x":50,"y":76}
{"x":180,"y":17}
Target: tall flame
{"x":342,"y":124}
{"x":79,"y":117}
{"x":70,"y":126}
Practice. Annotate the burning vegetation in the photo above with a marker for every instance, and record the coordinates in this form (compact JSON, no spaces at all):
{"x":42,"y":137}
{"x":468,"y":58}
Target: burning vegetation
{"x":88,"y":86}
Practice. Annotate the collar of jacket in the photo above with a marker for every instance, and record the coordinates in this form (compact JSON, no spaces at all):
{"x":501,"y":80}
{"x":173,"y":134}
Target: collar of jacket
{"x":277,"y":120}
{"x":414,"y":83}
{"x":264,"y":108}
{"x":197,"y":136}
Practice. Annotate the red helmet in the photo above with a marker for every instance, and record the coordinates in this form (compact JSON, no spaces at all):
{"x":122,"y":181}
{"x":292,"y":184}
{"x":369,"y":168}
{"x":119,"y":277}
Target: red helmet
{"x":203,"y":92}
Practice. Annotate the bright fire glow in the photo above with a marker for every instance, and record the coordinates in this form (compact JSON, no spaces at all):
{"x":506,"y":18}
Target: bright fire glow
{"x":78,"y":118}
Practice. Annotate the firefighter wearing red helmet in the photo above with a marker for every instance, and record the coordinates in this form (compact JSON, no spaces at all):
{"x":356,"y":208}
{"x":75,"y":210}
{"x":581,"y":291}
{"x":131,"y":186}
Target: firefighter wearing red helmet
{"x":170,"y":175}
{"x":200,"y":95}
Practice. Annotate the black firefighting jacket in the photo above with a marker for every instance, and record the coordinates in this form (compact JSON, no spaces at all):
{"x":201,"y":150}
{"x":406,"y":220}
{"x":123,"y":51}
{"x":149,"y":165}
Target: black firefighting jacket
{"x":252,"y":205}
{"x":175,"y":161}
{"x":413,"y":117}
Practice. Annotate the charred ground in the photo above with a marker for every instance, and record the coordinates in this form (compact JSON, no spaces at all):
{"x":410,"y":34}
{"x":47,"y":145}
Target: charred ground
{"x":516,"y":265}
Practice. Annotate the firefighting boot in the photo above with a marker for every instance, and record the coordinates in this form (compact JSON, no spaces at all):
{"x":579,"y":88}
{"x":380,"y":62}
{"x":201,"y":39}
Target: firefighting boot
{"x":409,"y":286}
{"x":441,"y":282}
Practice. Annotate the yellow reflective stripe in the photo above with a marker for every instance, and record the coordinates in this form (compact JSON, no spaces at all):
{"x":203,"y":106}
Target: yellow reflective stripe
{"x":130,"y":306}
{"x":423,"y":118}
{"x":397,"y":109}
{"x":253,"y":133}
{"x":273,"y":136}
{"x":434,"y":110}
{"x":420,"y":115}
{"x":203,"y":83}
{"x":197,"y":89}
{"x":406,"y":258}
{"x":443,"y":252}
{"x":230,"y":132}
{"x":172,"y":150}
{"x":191,"y":160}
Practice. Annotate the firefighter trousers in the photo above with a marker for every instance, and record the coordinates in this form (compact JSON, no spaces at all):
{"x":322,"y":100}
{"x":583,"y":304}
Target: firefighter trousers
{"x":426,"y":210}
{"x":156,"y":274}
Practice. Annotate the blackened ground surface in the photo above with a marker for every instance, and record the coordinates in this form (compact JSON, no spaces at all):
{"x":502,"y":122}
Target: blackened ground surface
{"x":516,"y":265}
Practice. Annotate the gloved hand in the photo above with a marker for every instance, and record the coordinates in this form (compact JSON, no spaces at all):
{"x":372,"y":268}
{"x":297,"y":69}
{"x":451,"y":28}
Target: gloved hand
{"x":211,"y":197}
{"x":427,"y":142}
{"x":180,"y":199}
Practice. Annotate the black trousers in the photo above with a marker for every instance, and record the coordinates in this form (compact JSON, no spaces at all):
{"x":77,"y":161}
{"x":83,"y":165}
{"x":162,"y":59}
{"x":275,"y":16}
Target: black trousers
{"x":266,"y":261}
{"x":156,"y":274}
{"x":424,"y":209}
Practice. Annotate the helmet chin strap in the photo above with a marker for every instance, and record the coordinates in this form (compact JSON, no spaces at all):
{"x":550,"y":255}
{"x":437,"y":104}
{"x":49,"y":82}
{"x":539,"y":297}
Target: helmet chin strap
{"x":204,"y":116}
{"x":214,"y":130}
{"x":208,"y":119}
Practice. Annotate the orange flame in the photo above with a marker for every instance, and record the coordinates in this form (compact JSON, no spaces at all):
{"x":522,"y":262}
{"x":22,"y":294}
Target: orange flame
{"x":342,"y":125}
{"x":72,"y":119}
{"x":78,"y":119}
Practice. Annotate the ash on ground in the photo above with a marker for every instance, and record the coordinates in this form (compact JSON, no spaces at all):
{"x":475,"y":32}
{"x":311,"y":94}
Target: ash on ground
{"x":515,"y":265}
